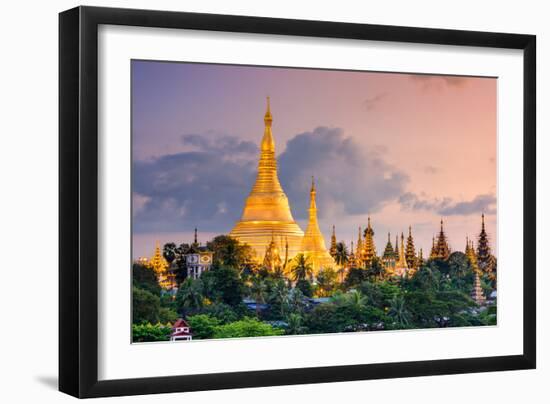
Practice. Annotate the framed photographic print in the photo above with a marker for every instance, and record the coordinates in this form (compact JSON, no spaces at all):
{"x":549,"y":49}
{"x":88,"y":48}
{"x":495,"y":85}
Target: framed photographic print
{"x":251,"y":201}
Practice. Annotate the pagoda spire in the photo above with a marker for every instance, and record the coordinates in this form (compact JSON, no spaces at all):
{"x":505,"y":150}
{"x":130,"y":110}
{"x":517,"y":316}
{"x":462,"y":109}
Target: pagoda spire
{"x":195,"y":239}
{"x":410,"y":254}
{"x":369,"y":249}
{"x":272,"y":258}
{"x":420,"y":261}
{"x":442,"y":250}
{"x":313,"y":243}
{"x":477,"y":292}
{"x":396,"y":250}
{"x":351,"y":258}
{"x":388,"y":251}
{"x":160,"y":266}
{"x":333,"y":249}
{"x":483,"y":249}
{"x":433,"y":253}
{"x":401,"y":265}
{"x":359,"y":248}
{"x":388,"y":257}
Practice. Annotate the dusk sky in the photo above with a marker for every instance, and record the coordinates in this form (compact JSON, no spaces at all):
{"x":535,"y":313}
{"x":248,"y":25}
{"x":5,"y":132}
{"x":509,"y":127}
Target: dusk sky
{"x":406,"y":149}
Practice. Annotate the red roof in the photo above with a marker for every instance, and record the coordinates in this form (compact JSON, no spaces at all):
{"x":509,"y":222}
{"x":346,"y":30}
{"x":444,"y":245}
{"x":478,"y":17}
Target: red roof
{"x":180,"y":323}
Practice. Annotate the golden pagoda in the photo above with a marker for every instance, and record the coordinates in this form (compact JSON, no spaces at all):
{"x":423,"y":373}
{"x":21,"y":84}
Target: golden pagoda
{"x":313,"y":243}
{"x":159,"y":265}
{"x":401,"y":266}
{"x":369,"y":249}
{"x":272,"y":258}
{"x":266,"y":213}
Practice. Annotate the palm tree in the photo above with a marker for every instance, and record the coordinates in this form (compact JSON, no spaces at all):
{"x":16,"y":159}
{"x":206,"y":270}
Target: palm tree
{"x":302,"y":269}
{"x":355,"y":299}
{"x":398,"y":311}
{"x":258,"y":291}
{"x":279,"y":295}
{"x":341,"y":256}
{"x":295,"y":326}
{"x":326,"y":279}
{"x":190,"y":294}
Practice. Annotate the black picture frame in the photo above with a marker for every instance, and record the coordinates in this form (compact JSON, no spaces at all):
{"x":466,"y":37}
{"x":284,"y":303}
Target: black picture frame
{"x":78,"y":196}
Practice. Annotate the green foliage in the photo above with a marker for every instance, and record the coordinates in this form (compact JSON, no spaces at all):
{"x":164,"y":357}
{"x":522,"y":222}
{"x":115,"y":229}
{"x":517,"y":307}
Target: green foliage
{"x":145,"y":306}
{"x":305,"y":286}
{"x":145,"y":278}
{"x":258,"y":292}
{"x":169,"y":252}
{"x":326,"y":281}
{"x":398,"y":312}
{"x":148,"y":332}
{"x":223,"y":284}
{"x":229,"y":252}
{"x":437,"y":295}
{"x":167,"y":315}
{"x":223,"y":312}
{"x":247,"y":327}
{"x":203,"y":326}
{"x":342,"y":255}
{"x":375,"y":269}
{"x":190,"y":295}
{"x":301,"y":268}
{"x":295,"y":325}
{"x":355,"y":277}
{"x":278,"y":298}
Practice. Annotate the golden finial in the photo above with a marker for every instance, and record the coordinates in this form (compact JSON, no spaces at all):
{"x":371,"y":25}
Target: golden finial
{"x":268,"y":118}
{"x":312,"y":184}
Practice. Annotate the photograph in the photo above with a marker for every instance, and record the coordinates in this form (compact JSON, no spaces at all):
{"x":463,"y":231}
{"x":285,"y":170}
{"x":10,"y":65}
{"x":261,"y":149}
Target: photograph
{"x":273,"y":201}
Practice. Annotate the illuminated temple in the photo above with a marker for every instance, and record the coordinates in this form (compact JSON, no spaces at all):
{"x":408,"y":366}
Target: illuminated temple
{"x":313,"y":244}
{"x":266,"y":214}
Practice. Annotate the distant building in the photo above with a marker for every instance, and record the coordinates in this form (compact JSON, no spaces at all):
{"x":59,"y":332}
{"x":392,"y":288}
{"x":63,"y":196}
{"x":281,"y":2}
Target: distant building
{"x":181,"y":331}
{"x":199,"y":259}
{"x":198,"y":262}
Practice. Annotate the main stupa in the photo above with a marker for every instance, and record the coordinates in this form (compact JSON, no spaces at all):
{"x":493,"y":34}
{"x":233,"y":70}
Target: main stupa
{"x":266,"y":214}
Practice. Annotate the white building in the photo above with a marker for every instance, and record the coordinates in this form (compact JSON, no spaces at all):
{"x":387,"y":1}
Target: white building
{"x":181,"y":331}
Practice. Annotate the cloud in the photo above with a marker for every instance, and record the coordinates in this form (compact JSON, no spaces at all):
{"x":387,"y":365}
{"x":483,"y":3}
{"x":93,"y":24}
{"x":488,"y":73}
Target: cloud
{"x":480,"y":204}
{"x":350,"y":179}
{"x":139,"y":202}
{"x":372,"y":102}
{"x":211,"y":142}
{"x":205,"y":187}
{"x":447,"y":207}
{"x":429,"y":81}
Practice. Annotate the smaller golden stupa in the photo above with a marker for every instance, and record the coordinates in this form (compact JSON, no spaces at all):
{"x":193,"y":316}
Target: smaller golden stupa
{"x":313,"y":243}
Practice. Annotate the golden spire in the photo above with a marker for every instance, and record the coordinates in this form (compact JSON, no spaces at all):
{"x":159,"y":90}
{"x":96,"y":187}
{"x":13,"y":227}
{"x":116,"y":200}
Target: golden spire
{"x":160,"y":266}
{"x":401,"y":265}
{"x":333,"y":248}
{"x":359,"y":245}
{"x":313,"y":244}
{"x":369,"y":248}
{"x":268,"y":143}
{"x":266,"y":208}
